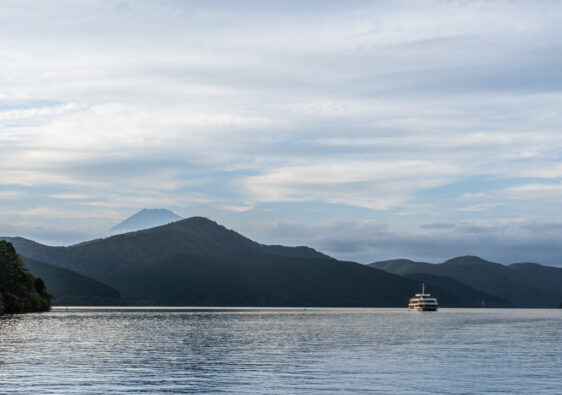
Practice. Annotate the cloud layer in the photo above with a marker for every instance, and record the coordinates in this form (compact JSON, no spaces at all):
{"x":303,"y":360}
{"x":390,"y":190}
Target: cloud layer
{"x":259,"y":113}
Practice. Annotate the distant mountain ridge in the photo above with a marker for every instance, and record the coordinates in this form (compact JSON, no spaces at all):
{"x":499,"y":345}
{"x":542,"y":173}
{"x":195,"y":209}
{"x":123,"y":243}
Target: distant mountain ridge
{"x":470,"y":296}
{"x":547,"y":278}
{"x":145,"y":219}
{"x":196,"y":261}
{"x":522,"y":285}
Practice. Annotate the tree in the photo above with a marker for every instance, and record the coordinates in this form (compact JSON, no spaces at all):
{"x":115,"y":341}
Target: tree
{"x":19,"y":290}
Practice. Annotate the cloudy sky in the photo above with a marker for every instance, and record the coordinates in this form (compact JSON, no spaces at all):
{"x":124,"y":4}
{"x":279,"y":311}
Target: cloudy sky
{"x":367,"y":129}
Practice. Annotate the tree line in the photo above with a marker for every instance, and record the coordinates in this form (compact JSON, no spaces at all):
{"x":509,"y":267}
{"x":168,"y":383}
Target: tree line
{"x":20,"y":291}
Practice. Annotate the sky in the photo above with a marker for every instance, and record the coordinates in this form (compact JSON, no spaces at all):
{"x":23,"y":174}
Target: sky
{"x":369,"y":130}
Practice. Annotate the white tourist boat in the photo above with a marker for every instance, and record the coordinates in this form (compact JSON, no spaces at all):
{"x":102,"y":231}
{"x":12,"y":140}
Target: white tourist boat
{"x":422,"y":302}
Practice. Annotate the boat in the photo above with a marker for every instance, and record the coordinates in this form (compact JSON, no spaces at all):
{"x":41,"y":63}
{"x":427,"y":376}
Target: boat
{"x":423,"y":302}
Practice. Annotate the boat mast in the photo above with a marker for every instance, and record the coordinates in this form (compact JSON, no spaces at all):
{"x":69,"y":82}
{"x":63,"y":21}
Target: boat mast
{"x":423,"y":288}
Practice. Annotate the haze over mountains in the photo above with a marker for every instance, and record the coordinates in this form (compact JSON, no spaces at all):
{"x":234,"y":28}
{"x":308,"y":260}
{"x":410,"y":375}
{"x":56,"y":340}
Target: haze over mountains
{"x":146,"y":218}
{"x":196,"y":261}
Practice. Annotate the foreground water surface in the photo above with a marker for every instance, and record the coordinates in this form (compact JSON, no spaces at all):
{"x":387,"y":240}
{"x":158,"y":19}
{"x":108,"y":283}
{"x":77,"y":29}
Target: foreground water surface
{"x":459,"y":351}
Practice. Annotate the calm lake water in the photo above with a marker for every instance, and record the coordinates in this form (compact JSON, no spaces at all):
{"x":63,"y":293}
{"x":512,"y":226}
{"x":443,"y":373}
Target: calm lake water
{"x":383,"y":351}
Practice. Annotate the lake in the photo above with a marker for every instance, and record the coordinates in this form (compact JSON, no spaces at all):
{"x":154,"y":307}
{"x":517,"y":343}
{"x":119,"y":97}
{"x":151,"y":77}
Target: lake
{"x":158,"y":350}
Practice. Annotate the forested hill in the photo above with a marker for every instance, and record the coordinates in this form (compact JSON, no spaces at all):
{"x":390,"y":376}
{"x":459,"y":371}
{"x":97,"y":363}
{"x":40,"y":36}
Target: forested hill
{"x":196,"y":261}
{"x":522,"y":285}
{"x":20,"y":291}
{"x":196,"y":236}
{"x":69,"y":288}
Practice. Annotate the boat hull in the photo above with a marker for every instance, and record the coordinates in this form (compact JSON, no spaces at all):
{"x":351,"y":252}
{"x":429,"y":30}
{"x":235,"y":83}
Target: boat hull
{"x":424,"y":308}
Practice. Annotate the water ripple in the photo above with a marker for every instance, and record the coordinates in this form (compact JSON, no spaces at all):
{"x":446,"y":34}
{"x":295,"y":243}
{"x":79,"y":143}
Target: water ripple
{"x":456,"y":351}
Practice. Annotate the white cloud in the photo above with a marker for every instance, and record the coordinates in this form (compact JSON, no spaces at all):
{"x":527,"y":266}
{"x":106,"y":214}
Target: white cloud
{"x":11,"y":195}
{"x":380,"y":105}
{"x":13,"y":115}
{"x":71,"y":196}
{"x":380,"y":184}
{"x":506,"y":241}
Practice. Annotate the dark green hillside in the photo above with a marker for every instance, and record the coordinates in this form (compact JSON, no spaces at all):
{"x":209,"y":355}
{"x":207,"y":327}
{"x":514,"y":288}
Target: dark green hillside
{"x":497,"y":279}
{"x":489,"y":277}
{"x":20,"y":292}
{"x":265,"y":281}
{"x":547,"y":278}
{"x":469,"y":296}
{"x":198,"y":262}
{"x":102,"y":258}
{"x":69,"y":288}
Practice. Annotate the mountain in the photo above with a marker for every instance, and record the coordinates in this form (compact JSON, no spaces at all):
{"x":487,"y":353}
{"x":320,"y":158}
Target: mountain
{"x":69,"y":288}
{"x":506,"y":282}
{"x":547,"y":278}
{"x":196,"y":261}
{"x":404,"y":267}
{"x":20,"y":291}
{"x":469,"y":296}
{"x":195,"y":236}
{"x":146,"y":218}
